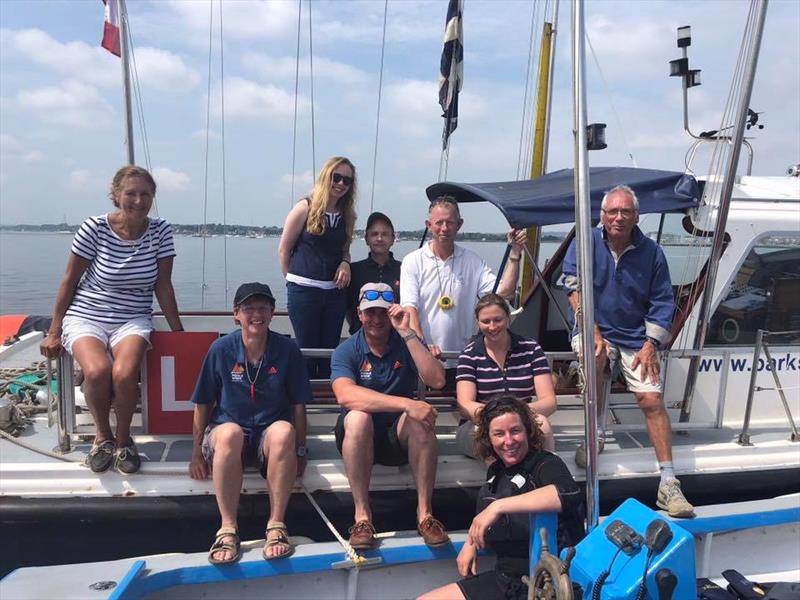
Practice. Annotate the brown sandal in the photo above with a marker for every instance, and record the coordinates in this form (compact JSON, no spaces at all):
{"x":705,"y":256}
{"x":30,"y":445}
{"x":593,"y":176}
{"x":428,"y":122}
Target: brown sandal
{"x":281,"y":539}
{"x":220,"y":545}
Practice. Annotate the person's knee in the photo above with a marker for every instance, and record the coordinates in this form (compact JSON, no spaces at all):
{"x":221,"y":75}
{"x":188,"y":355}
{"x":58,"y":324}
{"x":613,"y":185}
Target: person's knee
{"x":228,"y":438}
{"x":96,"y":371}
{"x":417,"y":433}
{"x":651,"y":403}
{"x":358,"y":425}
{"x":125,"y":373}
{"x":280,"y":436}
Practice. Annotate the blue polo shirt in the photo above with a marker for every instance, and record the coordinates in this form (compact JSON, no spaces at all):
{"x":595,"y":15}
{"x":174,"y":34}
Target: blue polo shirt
{"x":394,"y":373}
{"x":281,"y":382}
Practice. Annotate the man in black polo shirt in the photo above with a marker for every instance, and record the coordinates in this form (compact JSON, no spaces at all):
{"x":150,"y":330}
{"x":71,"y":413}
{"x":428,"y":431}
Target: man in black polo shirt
{"x":379,"y":266}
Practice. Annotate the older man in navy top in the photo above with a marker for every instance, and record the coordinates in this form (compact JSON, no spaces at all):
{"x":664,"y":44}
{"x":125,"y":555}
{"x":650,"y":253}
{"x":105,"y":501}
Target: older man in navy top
{"x":249,"y":404}
{"x":633,"y":314}
{"x":375,"y":374}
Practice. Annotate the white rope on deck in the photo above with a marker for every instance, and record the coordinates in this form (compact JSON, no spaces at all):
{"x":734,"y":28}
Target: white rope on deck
{"x":354,"y":556}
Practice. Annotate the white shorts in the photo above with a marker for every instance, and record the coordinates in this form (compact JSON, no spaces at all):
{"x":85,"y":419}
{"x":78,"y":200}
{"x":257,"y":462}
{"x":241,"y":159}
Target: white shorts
{"x":73,"y":328}
{"x":624,"y":358}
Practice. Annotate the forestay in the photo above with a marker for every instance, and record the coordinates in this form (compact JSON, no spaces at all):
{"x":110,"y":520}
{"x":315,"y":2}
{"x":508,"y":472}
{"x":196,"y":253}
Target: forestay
{"x":550,"y":199}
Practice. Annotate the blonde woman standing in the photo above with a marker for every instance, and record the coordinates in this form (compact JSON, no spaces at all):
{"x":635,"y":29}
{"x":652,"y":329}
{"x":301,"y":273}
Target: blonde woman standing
{"x":314,"y":254}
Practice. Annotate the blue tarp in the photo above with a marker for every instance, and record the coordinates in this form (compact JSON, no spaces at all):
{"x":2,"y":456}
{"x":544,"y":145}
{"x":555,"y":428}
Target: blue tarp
{"x":550,"y":199}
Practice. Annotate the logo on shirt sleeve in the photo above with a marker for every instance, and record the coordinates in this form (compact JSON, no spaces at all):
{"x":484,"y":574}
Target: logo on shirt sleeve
{"x":237,"y":373}
{"x":272,"y":371}
{"x":397,"y":365}
{"x":365,"y":371}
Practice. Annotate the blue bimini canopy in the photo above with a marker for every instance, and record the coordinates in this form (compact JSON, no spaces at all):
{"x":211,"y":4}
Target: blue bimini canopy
{"x":550,"y":199}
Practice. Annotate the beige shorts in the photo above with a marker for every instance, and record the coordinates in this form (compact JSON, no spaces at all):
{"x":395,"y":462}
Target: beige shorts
{"x":624,"y":358}
{"x":73,"y":328}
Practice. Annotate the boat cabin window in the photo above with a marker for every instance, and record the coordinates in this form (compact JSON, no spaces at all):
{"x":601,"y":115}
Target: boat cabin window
{"x":764,"y":294}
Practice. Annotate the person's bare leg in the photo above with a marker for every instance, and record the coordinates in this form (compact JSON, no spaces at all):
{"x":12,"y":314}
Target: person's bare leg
{"x":281,"y":458}
{"x":358,"y":454}
{"x":92,"y":356}
{"x":547,"y":431}
{"x":420,"y":443}
{"x":227,"y":441}
{"x":128,"y":355}
{"x":451,"y":591}
{"x":658,"y":426}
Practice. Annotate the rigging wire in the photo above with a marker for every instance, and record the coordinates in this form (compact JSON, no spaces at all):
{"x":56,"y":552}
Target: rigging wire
{"x":524,"y":123}
{"x":378,"y":115}
{"x":296,"y":89}
{"x":311,"y":67}
{"x":224,"y":180}
{"x":611,"y":102}
{"x":203,"y":285}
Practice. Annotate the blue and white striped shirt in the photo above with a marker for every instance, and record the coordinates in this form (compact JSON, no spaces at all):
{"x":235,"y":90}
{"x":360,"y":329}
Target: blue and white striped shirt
{"x":524,"y":361}
{"x":118,"y":285}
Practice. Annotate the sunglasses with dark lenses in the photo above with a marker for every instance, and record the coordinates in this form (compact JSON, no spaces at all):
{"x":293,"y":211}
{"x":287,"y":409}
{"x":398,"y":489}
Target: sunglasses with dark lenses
{"x":496,"y":403}
{"x":372,"y":295}
{"x":338,"y":178}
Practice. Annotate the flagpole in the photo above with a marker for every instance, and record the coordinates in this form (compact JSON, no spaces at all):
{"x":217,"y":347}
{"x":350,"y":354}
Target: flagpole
{"x":126,"y":77}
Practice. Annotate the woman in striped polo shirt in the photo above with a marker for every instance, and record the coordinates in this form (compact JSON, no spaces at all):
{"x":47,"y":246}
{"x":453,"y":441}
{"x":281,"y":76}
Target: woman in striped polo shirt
{"x":498,"y":361}
{"x":102,"y":313}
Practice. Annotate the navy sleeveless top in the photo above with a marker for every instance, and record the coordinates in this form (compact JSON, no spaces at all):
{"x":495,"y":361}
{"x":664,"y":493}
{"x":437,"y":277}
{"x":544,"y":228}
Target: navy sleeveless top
{"x":318,"y":256}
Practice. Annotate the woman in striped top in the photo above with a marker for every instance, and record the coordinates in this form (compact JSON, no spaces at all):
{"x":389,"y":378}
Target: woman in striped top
{"x":102,"y":313}
{"x":498,"y":361}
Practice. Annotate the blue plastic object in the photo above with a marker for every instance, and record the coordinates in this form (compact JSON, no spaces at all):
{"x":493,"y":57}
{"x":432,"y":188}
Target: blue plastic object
{"x":594,"y":554}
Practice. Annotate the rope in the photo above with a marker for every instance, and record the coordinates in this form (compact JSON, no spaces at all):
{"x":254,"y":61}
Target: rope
{"x":32,"y":448}
{"x":296,"y":88}
{"x":208,"y":131}
{"x":378,"y":115}
{"x":224,"y":179}
{"x":311,"y":74}
{"x":137,"y":93}
{"x":611,"y":102}
{"x":356,"y":558}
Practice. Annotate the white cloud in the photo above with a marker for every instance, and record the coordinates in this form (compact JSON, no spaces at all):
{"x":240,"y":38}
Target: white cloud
{"x":164,"y":70}
{"x":249,"y":100}
{"x":304,"y":180}
{"x":80,"y":179}
{"x":73,"y":103}
{"x":283,"y":68}
{"x":174,"y":181}
{"x":240,"y":19}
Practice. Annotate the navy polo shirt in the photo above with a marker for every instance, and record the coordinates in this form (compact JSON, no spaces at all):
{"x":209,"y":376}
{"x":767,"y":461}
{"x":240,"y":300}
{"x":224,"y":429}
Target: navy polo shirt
{"x":368,"y":271}
{"x":394,"y":373}
{"x":281,"y":382}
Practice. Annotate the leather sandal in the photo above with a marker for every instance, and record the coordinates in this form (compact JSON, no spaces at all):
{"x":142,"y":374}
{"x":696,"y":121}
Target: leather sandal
{"x":281,"y":539}
{"x":220,"y":545}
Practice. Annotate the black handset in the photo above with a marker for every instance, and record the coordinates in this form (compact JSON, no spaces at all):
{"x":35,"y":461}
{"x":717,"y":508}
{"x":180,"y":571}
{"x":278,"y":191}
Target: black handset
{"x":665,"y":582}
{"x":657,"y":536}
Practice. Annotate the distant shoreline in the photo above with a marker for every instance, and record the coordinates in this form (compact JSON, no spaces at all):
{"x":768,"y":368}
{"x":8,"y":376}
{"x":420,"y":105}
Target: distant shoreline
{"x":216,"y":229}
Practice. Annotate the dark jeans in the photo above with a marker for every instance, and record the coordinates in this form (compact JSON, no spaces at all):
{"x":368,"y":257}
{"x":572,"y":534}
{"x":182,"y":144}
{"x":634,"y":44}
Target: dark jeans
{"x":317,"y":316}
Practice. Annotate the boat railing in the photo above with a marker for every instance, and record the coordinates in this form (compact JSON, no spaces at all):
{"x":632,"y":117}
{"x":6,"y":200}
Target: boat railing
{"x":444,"y":400}
{"x":762,"y":344}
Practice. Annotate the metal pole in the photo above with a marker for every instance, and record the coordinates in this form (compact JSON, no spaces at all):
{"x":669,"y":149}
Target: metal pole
{"x":65,"y":396}
{"x":724,"y":206}
{"x":744,"y":436}
{"x":124,"y":52}
{"x":583,"y":221}
{"x":770,"y":366}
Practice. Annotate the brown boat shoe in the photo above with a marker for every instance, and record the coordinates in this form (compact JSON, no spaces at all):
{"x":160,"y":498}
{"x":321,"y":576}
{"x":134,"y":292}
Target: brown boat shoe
{"x":362,"y":536}
{"x":433,"y":532}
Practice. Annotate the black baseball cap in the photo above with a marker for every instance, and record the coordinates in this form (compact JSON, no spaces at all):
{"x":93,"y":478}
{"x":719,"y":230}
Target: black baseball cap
{"x":248,"y":290}
{"x":379,"y":216}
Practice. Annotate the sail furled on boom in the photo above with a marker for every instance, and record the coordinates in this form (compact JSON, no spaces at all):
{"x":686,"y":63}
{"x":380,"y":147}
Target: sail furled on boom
{"x":451,"y":69}
{"x":111,"y":27}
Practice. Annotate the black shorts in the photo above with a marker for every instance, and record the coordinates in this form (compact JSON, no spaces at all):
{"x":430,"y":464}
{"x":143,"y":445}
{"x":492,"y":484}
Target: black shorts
{"x":388,"y":450}
{"x":493,"y":585}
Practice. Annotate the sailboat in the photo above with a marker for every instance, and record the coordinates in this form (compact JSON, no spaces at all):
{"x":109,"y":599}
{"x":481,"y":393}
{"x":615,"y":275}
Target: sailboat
{"x":728,"y":440}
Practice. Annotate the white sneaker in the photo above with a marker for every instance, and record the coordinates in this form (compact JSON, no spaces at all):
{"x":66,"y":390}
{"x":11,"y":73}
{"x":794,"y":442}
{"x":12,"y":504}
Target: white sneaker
{"x":671,"y":499}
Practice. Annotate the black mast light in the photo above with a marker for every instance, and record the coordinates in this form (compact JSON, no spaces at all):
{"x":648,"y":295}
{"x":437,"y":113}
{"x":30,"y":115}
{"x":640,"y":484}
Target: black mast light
{"x":596,"y":136}
{"x":693,"y":78}
{"x":678,"y":67}
{"x":684,"y":36}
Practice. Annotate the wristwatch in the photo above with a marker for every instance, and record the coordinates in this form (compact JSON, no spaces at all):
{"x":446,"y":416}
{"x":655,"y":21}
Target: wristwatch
{"x":301,"y":451}
{"x":653,"y":341}
{"x":409,"y":335}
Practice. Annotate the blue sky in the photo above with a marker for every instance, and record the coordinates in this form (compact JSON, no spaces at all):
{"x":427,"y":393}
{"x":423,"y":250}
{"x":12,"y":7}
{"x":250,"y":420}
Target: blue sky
{"x":61,"y":132}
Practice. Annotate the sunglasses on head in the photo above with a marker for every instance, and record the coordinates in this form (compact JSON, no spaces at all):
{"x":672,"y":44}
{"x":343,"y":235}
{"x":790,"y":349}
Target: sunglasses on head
{"x":496,"y":403}
{"x":339,"y":178}
{"x":372,"y":295}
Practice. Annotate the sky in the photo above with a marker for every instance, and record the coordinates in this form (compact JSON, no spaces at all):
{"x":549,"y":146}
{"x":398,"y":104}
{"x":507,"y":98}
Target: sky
{"x":61,"y":114}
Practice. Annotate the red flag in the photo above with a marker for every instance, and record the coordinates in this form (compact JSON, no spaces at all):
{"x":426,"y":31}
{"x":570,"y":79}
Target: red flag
{"x":111,"y":27}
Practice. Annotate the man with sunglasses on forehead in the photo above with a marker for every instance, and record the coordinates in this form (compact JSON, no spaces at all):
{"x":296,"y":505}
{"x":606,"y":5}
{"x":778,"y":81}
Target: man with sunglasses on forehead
{"x":441,"y":282}
{"x":375,"y":374}
{"x":633,"y":305}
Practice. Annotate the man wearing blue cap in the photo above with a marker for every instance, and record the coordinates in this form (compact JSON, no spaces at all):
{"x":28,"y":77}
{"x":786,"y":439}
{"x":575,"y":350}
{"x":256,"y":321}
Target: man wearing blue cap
{"x":249,"y":405}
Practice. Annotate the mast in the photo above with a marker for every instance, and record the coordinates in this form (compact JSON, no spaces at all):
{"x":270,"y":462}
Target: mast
{"x":583,"y":235}
{"x":124,"y":53}
{"x":724,"y":205}
{"x":540,"y":137}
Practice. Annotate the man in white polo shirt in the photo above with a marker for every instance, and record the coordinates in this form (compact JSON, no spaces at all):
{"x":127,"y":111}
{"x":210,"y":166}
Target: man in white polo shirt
{"x":441,"y":282}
